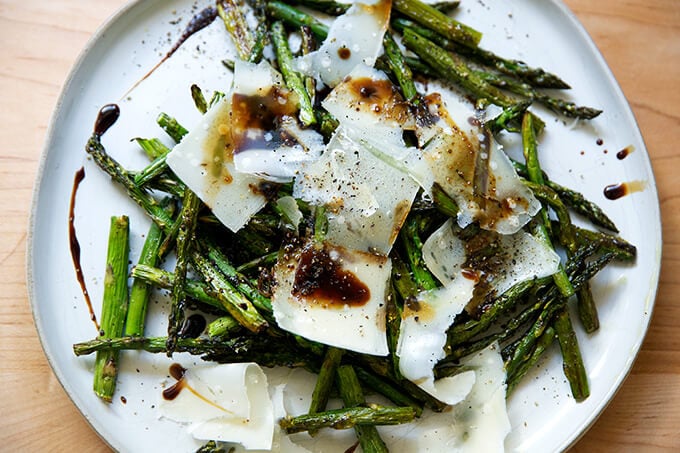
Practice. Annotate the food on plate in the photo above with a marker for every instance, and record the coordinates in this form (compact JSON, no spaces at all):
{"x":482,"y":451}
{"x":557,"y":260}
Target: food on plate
{"x":347,"y":208}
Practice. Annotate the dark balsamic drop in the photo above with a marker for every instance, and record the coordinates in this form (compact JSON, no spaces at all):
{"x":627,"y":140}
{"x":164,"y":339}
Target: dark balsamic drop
{"x":107,"y":116}
{"x":624,"y":152}
{"x":176,"y":371}
{"x":616,"y":191}
{"x":192,"y":327}
{"x":320,"y":278}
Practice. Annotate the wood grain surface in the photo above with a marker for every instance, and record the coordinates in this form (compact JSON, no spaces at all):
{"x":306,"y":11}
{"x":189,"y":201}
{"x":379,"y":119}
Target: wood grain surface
{"x":41,"y":39}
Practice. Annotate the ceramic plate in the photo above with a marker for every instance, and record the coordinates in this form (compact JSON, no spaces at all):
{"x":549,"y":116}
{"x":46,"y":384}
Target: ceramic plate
{"x":580,"y":155}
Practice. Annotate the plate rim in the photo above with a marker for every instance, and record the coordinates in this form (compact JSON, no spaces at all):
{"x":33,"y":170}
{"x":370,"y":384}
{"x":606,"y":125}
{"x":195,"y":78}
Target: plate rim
{"x":573,"y":20}
{"x":83,"y":54}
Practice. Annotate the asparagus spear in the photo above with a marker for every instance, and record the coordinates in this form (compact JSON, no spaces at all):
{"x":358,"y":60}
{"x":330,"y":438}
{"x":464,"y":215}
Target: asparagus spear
{"x":296,"y":18}
{"x":557,"y":105}
{"x":140,"y":290}
{"x":453,"y":69}
{"x":573,"y":366}
{"x":413,"y":245}
{"x":389,"y":390}
{"x":435,"y":20}
{"x":153,"y":147}
{"x":194,"y":289}
{"x":223,"y":327}
{"x":245,"y":348}
{"x":324,"y":381}
{"x":185,"y":239}
{"x":171,"y":127}
{"x":212,"y":447}
{"x":353,"y":396}
{"x":157,"y":213}
{"x":114,"y":306}
{"x":348,"y":418}
{"x":198,"y":98}
{"x":399,"y":68}
{"x":574,"y":200}
{"x":542,"y":345}
{"x":536,"y":77}
{"x":536,"y":175}
{"x":293,"y":80}
{"x":235,"y":23}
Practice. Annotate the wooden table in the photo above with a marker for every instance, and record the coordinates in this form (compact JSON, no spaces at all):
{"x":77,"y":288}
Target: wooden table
{"x":40,"y":41}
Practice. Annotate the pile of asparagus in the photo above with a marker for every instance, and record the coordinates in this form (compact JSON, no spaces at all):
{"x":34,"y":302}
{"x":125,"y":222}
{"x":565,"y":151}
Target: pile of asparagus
{"x":233,"y":270}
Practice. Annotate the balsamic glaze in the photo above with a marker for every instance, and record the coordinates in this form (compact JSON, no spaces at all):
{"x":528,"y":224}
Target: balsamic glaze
{"x":344,"y":53}
{"x":192,"y":327}
{"x":107,"y":116}
{"x":75,"y":245}
{"x":615,"y":191}
{"x":177,"y":371}
{"x":625,"y":152}
{"x":320,"y":278}
{"x":196,"y":24}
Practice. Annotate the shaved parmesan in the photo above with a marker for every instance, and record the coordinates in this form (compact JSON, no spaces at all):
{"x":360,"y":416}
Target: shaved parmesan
{"x":228,"y":403}
{"x":367,"y":199}
{"x":354,"y":38}
{"x":472,"y":168}
{"x":422,"y":337}
{"x":479,"y":423}
{"x":250,"y":135}
{"x":373,"y":113}
{"x":325,"y":292}
{"x":517,"y":257}
{"x":202,"y":163}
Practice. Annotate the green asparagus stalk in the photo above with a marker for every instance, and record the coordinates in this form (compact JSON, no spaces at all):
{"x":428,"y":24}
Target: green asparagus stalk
{"x":266,"y":260}
{"x":160,"y":278}
{"x":307,"y":46}
{"x":293,"y":80}
{"x":223,"y":327}
{"x":461,"y":333}
{"x":324,"y":381}
{"x":557,"y":105}
{"x":213,"y":447}
{"x":152,"y":171}
{"x":348,"y":418}
{"x":353,"y":396}
{"x":540,"y":228}
{"x":237,"y":280}
{"x":535,"y":77}
{"x":573,"y":366}
{"x":542,"y":345}
{"x":398,"y":66}
{"x":235,"y":23}
{"x":157,"y":213}
{"x":233,"y":301}
{"x":389,"y":390}
{"x":510,"y":119}
{"x":246,"y":348}
{"x":171,"y":127}
{"x":437,"y":21}
{"x":575,"y":201}
{"x":453,"y":69}
{"x":581,"y":205}
{"x":296,"y":18}
{"x":199,"y":100}
{"x":410,"y":239}
{"x":114,"y":306}
{"x":141,"y":290}
{"x":185,"y":238}
{"x":152,"y":147}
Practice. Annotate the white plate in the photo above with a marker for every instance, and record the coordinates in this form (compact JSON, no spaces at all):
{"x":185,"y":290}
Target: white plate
{"x":544,"y":33}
